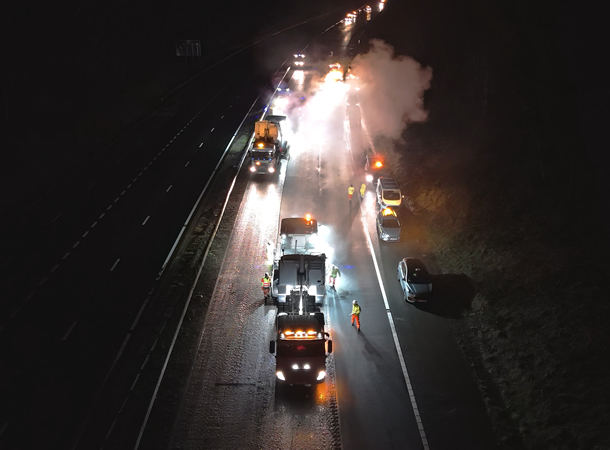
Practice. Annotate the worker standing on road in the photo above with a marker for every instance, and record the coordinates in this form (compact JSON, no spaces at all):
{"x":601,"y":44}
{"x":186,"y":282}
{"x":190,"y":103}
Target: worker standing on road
{"x":350,"y":191}
{"x":334,"y":272}
{"x":362,"y":190}
{"x":266,"y":284}
{"x":356,"y":314}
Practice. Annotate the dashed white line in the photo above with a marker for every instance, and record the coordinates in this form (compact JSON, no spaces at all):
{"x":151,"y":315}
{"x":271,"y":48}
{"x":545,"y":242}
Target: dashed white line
{"x":55,"y":267}
{"x":145,"y":220}
{"x":172,"y":140}
{"x":102,"y":215}
{"x":117,"y":199}
{"x":212,"y":129}
{"x":222,"y":117}
{"x":200,"y":145}
{"x":123,"y":193}
{"x":27,"y":299}
{"x":15,"y":313}
{"x":140,"y":174}
{"x":109,"y":208}
{"x":144,"y":169}
{"x":134,"y":382}
{"x":94,"y":224}
{"x":3,"y":428}
{"x":119,"y":161}
{"x":91,"y":185}
{"x":230,"y":106}
{"x":167,"y":190}
{"x":57,"y":217}
{"x":155,"y":158}
{"x":43,"y":281}
{"x":85,"y":234}
{"x":187,"y":163}
{"x":67,"y":254}
{"x":129,"y":185}
{"x":115,"y":264}
{"x":68,"y":332}
{"x":76,"y":244}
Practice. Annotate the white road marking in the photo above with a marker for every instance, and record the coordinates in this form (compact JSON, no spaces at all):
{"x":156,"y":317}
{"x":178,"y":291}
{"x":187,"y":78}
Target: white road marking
{"x":403,"y":364}
{"x":167,"y":190}
{"x":129,"y":185}
{"x":187,"y":163}
{"x":145,"y":220}
{"x":123,"y":193}
{"x":102,"y":215}
{"x":93,"y":224}
{"x":58,"y":216}
{"x":27,"y":299}
{"x":68,"y":332}
{"x":66,"y":255}
{"x":43,"y":281}
{"x":134,"y":382}
{"x":222,"y":117}
{"x":117,"y":199}
{"x":212,"y":129}
{"x":115,"y":264}
{"x":91,"y":185}
{"x":55,"y":267}
{"x":15,"y":313}
{"x":200,"y":145}
{"x":85,"y":234}
{"x":76,"y":244}
{"x":135,"y":321}
{"x":3,"y":428}
{"x":109,"y":208}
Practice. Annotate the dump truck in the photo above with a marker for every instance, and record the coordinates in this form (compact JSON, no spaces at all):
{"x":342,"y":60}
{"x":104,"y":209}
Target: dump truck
{"x":268,"y":146}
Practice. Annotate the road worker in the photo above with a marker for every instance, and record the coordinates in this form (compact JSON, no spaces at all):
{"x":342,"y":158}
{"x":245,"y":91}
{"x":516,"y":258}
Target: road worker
{"x":266,"y":284}
{"x":362,"y":190}
{"x":334,"y":272}
{"x":350,"y":190}
{"x":356,"y":314}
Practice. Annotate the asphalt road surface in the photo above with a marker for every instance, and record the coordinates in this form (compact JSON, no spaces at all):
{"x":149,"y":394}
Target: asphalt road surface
{"x":402,"y":382}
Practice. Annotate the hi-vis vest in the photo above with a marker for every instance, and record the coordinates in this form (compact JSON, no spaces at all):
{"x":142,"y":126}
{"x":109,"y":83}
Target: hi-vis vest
{"x":266,"y":282}
{"x":356,"y":309}
{"x":350,"y":190}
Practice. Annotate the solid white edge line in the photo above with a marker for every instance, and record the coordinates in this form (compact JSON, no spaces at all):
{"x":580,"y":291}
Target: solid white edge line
{"x":403,"y":364}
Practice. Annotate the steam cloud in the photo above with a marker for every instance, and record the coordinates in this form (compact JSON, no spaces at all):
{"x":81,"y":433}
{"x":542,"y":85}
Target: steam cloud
{"x":392,"y":90}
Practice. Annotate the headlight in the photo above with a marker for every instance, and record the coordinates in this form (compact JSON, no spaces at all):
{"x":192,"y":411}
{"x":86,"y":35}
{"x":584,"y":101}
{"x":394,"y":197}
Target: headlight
{"x":281,"y":376}
{"x":252,"y":169}
{"x":320,"y":376}
{"x":306,"y":367}
{"x":369,"y":178}
{"x":271,"y":170}
{"x":295,"y":367}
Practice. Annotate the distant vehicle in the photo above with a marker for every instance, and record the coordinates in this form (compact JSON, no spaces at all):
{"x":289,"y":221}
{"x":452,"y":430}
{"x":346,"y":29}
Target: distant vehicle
{"x":374,"y":167}
{"x":388,"y":192}
{"x":388,"y":225}
{"x":414,"y":280}
{"x":299,"y":61}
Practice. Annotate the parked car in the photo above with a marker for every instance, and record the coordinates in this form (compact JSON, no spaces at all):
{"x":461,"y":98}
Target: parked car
{"x":388,"y":225}
{"x":414,"y":280}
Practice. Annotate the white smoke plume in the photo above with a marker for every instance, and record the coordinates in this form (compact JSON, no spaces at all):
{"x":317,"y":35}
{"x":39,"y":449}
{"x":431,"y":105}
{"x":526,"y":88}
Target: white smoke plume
{"x":391,"y":90}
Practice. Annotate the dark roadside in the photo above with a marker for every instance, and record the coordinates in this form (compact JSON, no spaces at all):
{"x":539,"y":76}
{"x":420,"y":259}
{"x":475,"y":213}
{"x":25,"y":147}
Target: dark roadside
{"x":504,"y":172}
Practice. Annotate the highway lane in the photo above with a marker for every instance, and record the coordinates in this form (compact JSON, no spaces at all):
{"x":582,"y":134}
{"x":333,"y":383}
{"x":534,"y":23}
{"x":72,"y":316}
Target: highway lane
{"x":59,"y":344}
{"x":79,"y":286}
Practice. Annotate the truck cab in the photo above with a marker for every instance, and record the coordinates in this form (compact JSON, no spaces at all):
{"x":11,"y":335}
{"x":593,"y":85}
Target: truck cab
{"x":301,"y":347}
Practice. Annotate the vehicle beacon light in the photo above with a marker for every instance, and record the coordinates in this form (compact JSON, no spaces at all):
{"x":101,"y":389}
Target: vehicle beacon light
{"x":378,"y":164}
{"x":369,"y":178}
{"x":389,"y":212}
{"x":308,"y":218}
